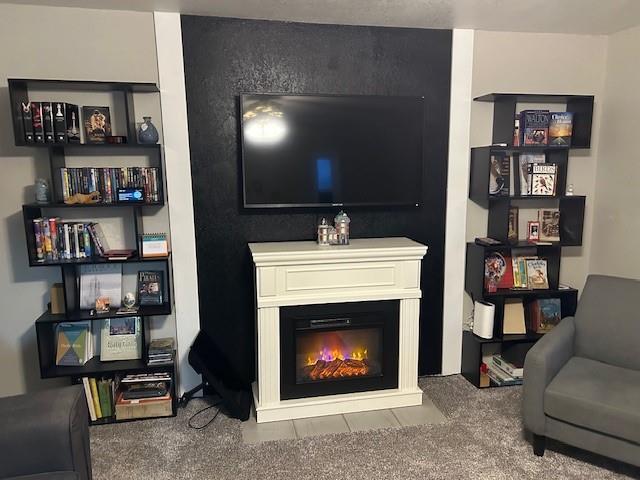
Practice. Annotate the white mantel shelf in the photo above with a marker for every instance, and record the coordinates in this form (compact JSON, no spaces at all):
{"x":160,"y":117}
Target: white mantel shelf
{"x":303,"y":273}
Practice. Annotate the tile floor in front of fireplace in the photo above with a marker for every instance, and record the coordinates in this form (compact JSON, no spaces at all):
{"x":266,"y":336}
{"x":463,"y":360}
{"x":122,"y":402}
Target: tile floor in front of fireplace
{"x":424,"y":414}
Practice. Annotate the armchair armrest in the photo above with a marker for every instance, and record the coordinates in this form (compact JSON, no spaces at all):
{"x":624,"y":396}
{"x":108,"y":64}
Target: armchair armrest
{"x":542,"y":364}
{"x":45,"y":432}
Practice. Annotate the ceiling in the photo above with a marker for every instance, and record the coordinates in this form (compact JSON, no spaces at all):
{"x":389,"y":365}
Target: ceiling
{"x":551,"y":16}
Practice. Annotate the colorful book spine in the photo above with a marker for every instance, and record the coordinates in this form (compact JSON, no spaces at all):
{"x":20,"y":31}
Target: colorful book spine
{"x":37,"y":232}
{"x":53,"y":232}
{"x":95,"y":397}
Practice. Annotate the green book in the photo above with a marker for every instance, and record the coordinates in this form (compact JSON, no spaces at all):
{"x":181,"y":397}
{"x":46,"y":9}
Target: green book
{"x":104,"y":392}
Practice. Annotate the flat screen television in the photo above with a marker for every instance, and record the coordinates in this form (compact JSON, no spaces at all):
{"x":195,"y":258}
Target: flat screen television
{"x":331,"y":150}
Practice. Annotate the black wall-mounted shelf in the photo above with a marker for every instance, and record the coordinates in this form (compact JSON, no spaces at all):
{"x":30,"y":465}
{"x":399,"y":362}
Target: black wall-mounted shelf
{"x":46,"y":324}
{"x":571,"y":207}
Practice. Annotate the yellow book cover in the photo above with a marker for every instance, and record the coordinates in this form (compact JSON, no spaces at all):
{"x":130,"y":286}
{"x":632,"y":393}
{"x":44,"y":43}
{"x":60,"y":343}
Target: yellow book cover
{"x":95,"y":397}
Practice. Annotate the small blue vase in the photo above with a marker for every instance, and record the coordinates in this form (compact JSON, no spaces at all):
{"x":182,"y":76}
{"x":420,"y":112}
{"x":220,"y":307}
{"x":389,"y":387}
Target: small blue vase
{"x":147,"y":132}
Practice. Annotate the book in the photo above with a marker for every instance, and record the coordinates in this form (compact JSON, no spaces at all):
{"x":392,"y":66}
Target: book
{"x":97,"y":124}
{"x":59,"y":122}
{"x":72,"y":344}
{"x":160,"y":351}
{"x":512,"y":233}
{"x":514,"y":321}
{"x":508,"y":368}
{"x":560,"y":129}
{"x":500,"y":377}
{"x":100,"y":281}
{"x":495,"y":272}
{"x":36,"y":122}
{"x":154,"y":245}
{"x":89,"y":398}
{"x":121,"y":339}
{"x":516,"y":131}
{"x":104,"y":392}
{"x":522,"y":181}
{"x":47,"y":122}
{"x":549,"y":219}
{"x":537,"y":273}
{"x":27,"y":122}
{"x":544,"y":314}
{"x":95,"y":397}
{"x":499,"y":175}
{"x":150,"y":287}
{"x":543,"y":178}
{"x":72,"y":123}
{"x":534,"y":125}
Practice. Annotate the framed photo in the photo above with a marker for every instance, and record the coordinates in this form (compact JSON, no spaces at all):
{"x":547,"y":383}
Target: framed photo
{"x":533,"y":231}
{"x":549,"y":224}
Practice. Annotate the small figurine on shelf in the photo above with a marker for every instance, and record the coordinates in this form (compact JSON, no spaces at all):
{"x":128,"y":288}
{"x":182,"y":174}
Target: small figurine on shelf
{"x":147,"y":133}
{"x":342,"y":222}
{"x":103,"y":304}
{"x":338,"y":235}
{"x":323,"y":233}
{"x":83,"y":198}
{"x":570,"y":190}
{"x":42,"y":190}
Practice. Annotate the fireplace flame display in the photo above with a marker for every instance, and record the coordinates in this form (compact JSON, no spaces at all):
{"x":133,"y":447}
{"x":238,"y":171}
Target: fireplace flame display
{"x":336,"y":355}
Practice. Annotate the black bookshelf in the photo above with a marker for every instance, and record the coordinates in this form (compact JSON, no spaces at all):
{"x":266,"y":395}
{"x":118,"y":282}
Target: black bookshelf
{"x":46,"y":325}
{"x":571,"y":207}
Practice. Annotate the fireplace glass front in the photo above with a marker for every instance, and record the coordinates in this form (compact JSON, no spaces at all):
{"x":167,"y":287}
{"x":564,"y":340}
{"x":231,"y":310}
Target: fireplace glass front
{"x":338,"y":348}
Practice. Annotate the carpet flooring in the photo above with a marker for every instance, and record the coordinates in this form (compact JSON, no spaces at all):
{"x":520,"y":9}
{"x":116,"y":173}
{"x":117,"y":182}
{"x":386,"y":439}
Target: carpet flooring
{"x":482,"y":438}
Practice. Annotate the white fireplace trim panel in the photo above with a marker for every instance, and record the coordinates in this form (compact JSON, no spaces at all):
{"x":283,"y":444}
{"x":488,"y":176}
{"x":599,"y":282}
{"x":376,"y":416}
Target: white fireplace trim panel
{"x":304,"y":273}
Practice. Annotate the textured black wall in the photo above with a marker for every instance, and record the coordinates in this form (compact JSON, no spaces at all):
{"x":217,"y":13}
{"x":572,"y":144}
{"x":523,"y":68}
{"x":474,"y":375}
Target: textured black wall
{"x":225,"y":57}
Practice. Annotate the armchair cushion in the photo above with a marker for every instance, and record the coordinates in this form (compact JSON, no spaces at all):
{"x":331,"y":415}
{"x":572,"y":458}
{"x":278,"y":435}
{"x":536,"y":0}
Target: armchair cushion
{"x":596,"y":396}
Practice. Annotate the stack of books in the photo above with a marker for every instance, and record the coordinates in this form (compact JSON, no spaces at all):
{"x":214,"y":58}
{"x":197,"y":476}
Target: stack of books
{"x":504,"y":373}
{"x":161,"y":351}
{"x":144,"y":395}
{"x":99,"y":395}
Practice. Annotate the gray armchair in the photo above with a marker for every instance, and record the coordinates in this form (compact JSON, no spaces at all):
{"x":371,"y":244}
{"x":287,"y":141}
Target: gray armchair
{"x":582,"y":379}
{"x":45,"y":435}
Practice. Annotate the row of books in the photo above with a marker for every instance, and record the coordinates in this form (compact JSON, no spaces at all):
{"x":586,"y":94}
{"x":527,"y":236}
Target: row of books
{"x":539,"y":315}
{"x":100,"y":395}
{"x":50,"y":122}
{"x":542,"y":127}
{"x":57,"y":239}
{"x":522,"y":272}
{"x":132,"y":396}
{"x":535,"y":175}
{"x":107,"y":181}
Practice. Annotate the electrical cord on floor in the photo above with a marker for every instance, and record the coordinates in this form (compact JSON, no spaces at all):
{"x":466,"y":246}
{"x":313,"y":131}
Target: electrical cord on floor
{"x":200,"y":427}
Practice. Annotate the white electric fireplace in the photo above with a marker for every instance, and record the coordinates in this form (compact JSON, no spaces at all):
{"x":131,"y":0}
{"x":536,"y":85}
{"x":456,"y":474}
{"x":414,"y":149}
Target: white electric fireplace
{"x":337,"y":327}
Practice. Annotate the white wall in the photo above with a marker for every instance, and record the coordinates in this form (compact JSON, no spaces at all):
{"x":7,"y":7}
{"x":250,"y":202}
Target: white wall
{"x":541,"y":63}
{"x":57,"y":43}
{"x":617,"y":221}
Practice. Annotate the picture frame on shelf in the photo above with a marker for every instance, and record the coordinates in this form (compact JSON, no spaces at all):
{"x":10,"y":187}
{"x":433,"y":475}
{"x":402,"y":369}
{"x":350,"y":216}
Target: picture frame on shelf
{"x":533,"y":231}
{"x":549,"y":219}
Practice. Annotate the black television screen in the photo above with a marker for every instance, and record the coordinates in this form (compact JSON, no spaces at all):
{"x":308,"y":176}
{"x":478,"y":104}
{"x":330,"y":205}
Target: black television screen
{"x":328,"y":150}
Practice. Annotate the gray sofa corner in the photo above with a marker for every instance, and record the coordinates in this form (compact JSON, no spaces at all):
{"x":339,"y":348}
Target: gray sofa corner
{"x":45,"y":435}
{"x":582,"y":379}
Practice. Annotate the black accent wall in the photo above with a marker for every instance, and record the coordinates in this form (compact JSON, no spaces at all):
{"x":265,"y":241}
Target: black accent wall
{"x":225,"y":57}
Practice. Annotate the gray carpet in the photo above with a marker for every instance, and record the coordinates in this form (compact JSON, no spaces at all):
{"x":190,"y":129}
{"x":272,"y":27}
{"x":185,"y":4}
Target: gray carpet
{"x":481,"y":439}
